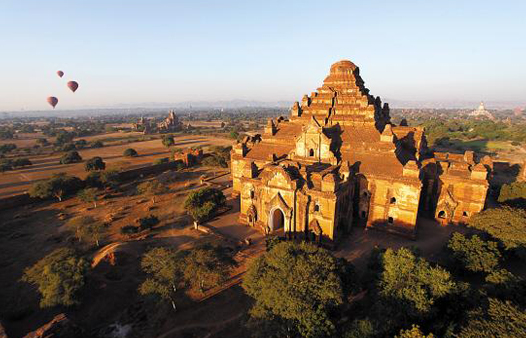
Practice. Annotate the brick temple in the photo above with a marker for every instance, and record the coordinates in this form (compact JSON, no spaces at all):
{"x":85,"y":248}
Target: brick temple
{"x":339,"y":161}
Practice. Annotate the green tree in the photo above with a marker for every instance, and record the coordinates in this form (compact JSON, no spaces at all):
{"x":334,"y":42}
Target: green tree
{"x":59,"y":185}
{"x":207,"y":266}
{"x":168,"y":141}
{"x":64,"y":137}
{"x":203,"y":203}
{"x":234,"y":135}
{"x":70,"y":157}
{"x":505,"y":224}
{"x":164,"y":269}
{"x":89,"y":195}
{"x":161,"y":160}
{"x":58,"y":276}
{"x":95,"y":163}
{"x":103,"y":179}
{"x":414,"y":332}
{"x":298,"y":285}
{"x":130,"y":153}
{"x":97,"y":144}
{"x":21,"y":162}
{"x":410,"y":283}
{"x":42,"y":142}
{"x":474,"y":254}
{"x":513,"y":194}
{"x":88,"y":229}
{"x":499,"y":319}
{"x":152,"y":188}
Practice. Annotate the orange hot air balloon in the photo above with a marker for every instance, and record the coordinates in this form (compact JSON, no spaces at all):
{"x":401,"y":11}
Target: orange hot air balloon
{"x":60,"y":73}
{"x":52,"y":101}
{"x":73,"y":85}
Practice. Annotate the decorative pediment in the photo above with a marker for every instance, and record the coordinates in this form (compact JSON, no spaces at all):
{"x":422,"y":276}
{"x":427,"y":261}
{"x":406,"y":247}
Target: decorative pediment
{"x":276,"y":176}
{"x":313,"y":144}
{"x":278,"y":201}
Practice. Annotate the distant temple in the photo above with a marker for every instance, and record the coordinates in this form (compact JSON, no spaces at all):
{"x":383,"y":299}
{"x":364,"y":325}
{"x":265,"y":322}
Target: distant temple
{"x":482,"y":112}
{"x":338,"y":161}
{"x":168,"y":125}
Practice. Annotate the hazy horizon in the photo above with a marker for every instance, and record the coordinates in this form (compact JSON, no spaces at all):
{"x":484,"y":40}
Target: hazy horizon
{"x":136,"y":52}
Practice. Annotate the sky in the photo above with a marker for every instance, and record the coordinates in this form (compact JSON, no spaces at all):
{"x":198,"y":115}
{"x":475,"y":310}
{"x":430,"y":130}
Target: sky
{"x":137,"y":52}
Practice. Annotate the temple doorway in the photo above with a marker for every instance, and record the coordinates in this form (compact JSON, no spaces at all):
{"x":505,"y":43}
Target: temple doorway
{"x":277,"y":219}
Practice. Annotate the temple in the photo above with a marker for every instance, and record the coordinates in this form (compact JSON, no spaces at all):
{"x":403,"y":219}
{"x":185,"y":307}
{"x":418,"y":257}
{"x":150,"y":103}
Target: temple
{"x":338,"y":161}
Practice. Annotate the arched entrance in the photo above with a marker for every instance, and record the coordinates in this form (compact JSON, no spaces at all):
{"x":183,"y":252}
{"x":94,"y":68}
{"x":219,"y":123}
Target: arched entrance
{"x":277,"y":219}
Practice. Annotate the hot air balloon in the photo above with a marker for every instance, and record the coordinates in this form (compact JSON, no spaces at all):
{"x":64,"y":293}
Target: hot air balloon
{"x":52,"y":101}
{"x":60,"y":73}
{"x":73,"y":85}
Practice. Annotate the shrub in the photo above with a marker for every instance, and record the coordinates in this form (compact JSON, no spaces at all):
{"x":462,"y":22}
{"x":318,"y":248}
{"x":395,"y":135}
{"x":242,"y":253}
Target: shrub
{"x":130,"y":153}
{"x":474,"y":254}
{"x":95,"y":163}
{"x":59,"y":276}
{"x":70,"y":157}
{"x":6,"y":165}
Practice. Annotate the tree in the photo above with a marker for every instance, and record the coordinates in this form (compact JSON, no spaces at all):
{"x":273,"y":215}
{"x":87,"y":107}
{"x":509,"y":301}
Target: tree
{"x":414,"y":332}
{"x":70,"y":157}
{"x":410,"y":283}
{"x":474,"y":254}
{"x":161,"y":160}
{"x":64,"y":137}
{"x":42,"y":142}
{"x":6,"y":165}
{"x":168,"y":141}
{"x":234,"y":135}
{"x":130,"y":153}
{"x":513,"y":194}
{"x":207,"y":266}
{"x":95,"y":163}
{"x":59,"y":185}
{"x":103,"y":179}
{"x":7,"y":148}
{"x":81,"y":144}
{"x":21,"y":162}
{"x":152,"y":188}
{"x":59,"y":276}
{"x":148,"y":222}
{"x":203,"y":203}
{"x":97,"y":144}
{"x":505,"y":224}
{"x":298,"y":285}
{"x":163,"y":267}
{"x":87,"y":229}
{"x":499,"y":319}
{"x":88,"y":195}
